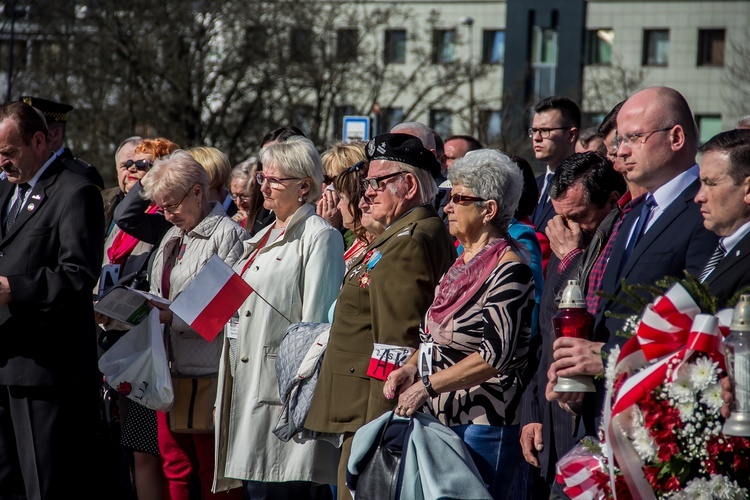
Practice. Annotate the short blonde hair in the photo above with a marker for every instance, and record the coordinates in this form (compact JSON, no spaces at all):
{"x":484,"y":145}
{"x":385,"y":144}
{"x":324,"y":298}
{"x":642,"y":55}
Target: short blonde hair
{"x":215,"y":162}
{"x":342,"y":155}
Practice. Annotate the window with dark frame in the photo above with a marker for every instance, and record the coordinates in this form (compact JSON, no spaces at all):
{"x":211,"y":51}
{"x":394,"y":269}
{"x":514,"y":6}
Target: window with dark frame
{"x":346,"y":45}
{"x":255,"y":43}
{"x":655,"y":47}
{"x":490,"y":126}
{"x":443,"y":46}
{"x":300,"y":45}
{"x":598,"y":46}
{"x":441,"y":121}
{"x":493,"y":47}
{"x":711,"y":43}
{"x":389,"y":118}
{"x":20,"y":51}
{"x":395,"y":47}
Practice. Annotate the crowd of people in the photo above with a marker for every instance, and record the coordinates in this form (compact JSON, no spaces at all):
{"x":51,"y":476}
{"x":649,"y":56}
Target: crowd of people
{"x":434,"y":264}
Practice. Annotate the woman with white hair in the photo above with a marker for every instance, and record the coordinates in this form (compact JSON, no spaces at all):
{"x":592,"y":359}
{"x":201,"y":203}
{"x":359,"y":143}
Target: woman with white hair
{"x":295,"y":267}
{"x":179,"y":187}
{"x":479,"y":323}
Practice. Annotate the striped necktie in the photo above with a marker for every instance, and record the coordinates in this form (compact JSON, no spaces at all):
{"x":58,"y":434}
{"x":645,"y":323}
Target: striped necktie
{"x":15,"y":209}
{"x":713,"y":262}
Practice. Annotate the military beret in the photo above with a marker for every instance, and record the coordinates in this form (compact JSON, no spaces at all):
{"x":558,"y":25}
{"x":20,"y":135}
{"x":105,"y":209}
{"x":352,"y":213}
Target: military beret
{"x":53,"y":111}
{"x":403,"y":148}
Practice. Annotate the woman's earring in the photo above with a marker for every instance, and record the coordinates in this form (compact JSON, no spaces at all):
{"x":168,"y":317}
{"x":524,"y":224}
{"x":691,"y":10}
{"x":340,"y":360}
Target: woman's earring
{"x":484,"y":222}
{"x":299,"y":199}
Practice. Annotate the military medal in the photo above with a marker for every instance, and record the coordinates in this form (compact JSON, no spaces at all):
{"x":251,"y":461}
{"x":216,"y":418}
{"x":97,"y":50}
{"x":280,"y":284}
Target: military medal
{"x":372,"y":258}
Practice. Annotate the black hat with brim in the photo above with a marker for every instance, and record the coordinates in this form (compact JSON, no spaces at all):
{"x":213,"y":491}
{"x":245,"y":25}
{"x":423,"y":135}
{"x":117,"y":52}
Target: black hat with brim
{"x":54,"y":112}
{"x":403,"y":148}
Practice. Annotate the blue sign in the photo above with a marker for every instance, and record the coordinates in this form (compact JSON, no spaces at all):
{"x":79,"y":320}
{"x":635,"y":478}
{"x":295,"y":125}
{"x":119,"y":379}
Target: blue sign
{"x":356,"y":128}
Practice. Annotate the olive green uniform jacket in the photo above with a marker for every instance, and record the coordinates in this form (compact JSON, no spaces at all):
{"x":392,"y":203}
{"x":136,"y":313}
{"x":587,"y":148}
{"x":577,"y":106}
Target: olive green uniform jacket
{"x":383,"y":304}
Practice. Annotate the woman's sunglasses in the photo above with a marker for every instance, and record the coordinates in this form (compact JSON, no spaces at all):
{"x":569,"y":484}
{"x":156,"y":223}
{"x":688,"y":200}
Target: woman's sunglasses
{"x":139,"y":164}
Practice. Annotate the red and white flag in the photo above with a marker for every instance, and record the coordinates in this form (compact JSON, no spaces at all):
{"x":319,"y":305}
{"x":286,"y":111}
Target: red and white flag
{"x":210,"y":300}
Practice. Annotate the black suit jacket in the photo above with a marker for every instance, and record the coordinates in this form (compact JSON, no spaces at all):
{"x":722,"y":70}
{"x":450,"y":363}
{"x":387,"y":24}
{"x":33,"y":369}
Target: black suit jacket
{"x":544,"y":210}
{"x":51,"y":256}
{"x":732,"y":273}
{"x":559,"y":430}
{"x":81,"y":167}
{"x":677,"y":241}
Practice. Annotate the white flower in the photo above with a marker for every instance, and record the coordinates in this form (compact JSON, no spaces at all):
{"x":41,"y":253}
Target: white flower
{"x":680,"y":389}
{"x":711,"y":397}
{"x":687,"y":410}
{"x":644,"y":444}
{"x":611,"y":362}
{"x":702,"y":373}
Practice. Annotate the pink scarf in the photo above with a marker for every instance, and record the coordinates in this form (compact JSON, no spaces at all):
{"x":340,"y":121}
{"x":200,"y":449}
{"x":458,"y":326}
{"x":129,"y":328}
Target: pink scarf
{"x":458,"y":286}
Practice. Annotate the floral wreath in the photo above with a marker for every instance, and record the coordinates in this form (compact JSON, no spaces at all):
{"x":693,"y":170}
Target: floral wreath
{"x":662,"y":430}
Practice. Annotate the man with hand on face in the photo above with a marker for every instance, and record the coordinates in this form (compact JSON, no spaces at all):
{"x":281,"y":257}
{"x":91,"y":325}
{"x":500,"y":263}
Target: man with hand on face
{"x":584,"y":190}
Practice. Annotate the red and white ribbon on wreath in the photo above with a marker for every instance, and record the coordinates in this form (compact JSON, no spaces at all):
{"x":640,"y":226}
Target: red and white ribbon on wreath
{"x":581,"y":477}
{"x":671,"y":329}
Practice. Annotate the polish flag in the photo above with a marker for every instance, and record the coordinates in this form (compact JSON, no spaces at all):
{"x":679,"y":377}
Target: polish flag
{"x":210,"y":300}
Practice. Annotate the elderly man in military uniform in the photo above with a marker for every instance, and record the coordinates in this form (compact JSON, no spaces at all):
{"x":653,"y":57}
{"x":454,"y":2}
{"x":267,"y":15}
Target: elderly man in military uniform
{"x":386,"y":292}
{"x":56,"y":115}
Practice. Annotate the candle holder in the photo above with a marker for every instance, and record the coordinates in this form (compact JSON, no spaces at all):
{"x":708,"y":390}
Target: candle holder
{"x":737,"y":357}
{"x":573,"y":320}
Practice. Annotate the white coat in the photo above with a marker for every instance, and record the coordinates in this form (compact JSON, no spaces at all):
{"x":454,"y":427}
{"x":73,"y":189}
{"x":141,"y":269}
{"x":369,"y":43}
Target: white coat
{"x":295,"y":277}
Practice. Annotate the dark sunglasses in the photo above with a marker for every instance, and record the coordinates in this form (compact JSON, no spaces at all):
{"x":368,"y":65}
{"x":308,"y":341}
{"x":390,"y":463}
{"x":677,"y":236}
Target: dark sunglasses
{"x":139,"y":165}
{"x":458,"y":198}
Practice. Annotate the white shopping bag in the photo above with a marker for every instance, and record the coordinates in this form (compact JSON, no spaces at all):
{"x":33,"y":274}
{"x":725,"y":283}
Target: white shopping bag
{"x":136,"y":365}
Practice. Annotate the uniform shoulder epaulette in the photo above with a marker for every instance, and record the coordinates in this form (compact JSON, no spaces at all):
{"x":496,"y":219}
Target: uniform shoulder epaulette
{"x":407,"y":230}
{"x":83,"y":168}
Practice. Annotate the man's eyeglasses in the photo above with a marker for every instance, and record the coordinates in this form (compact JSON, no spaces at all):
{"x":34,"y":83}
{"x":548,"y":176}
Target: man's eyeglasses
{"x":544,"y":132}
{"x":633,"y":141}
{"x":377,"y":182}
{"x":274,"y":182}
{"x":457,"y":199}
{"x":240,"y":197}
{"x":173,"y":208}
{"x":139,"y":164}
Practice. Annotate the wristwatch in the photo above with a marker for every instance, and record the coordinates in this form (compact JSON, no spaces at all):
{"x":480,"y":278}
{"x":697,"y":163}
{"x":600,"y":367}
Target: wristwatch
{"x":428,"y":386}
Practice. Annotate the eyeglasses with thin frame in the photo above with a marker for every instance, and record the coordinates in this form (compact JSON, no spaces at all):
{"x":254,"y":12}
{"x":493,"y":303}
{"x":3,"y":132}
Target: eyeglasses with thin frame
{"x":274,"y":182}
{"x":458,"y":199}
{"x":377,"y":183}
{"x":240,"y":197}
{"x":544,"y":132}
{"x":10,"y":155}
{"x":171,"y":209}
{"x":632,"y":140}
{"x":139,"y":164}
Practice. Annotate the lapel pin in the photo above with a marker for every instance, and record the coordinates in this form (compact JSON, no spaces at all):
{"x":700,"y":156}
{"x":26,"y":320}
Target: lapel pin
{"x":36,"y":196}
{"x":30,"y":207}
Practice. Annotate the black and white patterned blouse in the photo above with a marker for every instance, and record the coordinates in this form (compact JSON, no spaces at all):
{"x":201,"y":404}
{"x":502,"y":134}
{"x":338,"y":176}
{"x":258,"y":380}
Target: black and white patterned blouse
{"x":496,"y":323}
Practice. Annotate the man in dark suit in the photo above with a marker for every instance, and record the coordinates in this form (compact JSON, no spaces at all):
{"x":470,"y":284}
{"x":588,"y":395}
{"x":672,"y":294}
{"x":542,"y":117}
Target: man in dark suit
{"x":584,"y":189}
{"x":553,"y":132}
{"x":56,"y":115}
{"x":657,"y":142}
{"x":50,"y":255}
{"x":724,"y":197}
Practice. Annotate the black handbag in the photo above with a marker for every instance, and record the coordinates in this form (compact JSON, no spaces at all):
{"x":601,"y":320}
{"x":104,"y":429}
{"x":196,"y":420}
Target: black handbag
{"x":380,"y":479}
